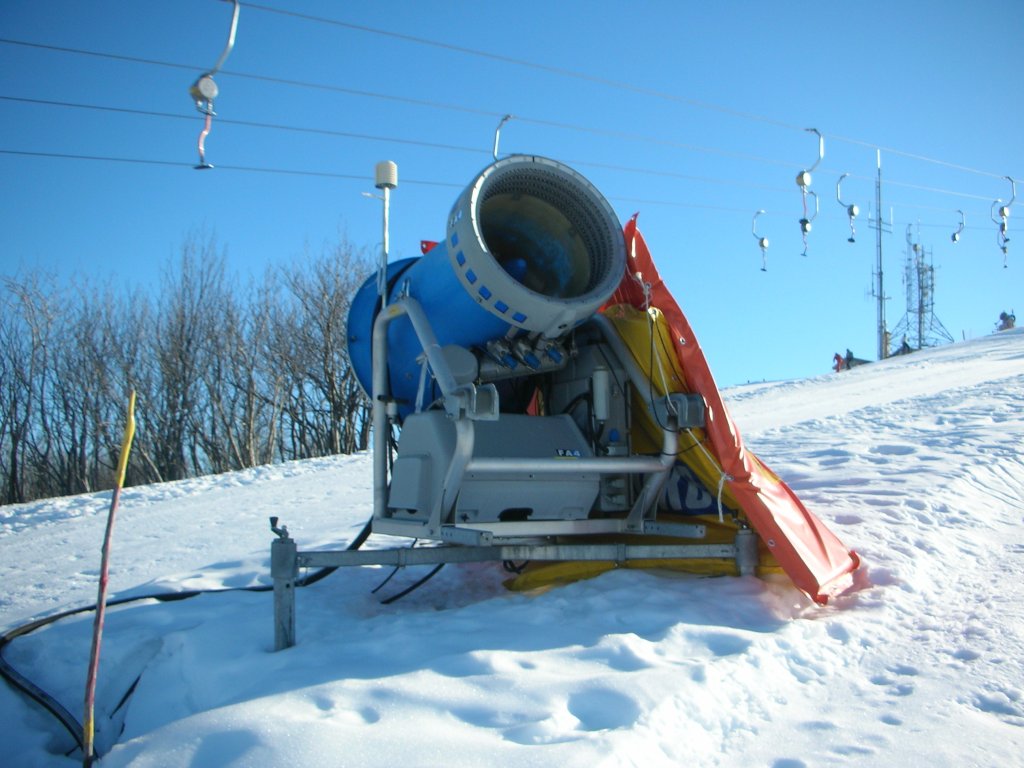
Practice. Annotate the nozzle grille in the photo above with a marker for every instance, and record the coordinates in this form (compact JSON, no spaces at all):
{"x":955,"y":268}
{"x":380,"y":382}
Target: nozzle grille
{"x":549,"y":231}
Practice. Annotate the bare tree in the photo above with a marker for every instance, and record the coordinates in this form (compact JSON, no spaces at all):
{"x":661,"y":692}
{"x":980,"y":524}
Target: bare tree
{"x":182,"y":337}
{"x":224,"y":379}
{"x":323,"y":292}
{"x":26,"y":350}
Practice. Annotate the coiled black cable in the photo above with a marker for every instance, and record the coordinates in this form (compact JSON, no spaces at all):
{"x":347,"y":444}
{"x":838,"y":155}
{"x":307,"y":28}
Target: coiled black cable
{"x":70,"y":723}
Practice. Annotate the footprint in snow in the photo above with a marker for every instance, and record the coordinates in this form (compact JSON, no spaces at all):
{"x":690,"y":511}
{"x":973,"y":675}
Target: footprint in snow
{"x":965,"y":654}
{"x":723,"y":643}
{"x":893,"y":450}
{"x":602,"y":709}
{"x":1002,"y":702}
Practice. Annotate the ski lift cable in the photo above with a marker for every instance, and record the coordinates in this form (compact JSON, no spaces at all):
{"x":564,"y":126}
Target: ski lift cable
{"x":477,"y":150}
{"x":605,"y":82}
{"x":487,"y":113}
{"x":632,"y":200}
{"x":914,"y":156}
{"x":560,"y":71}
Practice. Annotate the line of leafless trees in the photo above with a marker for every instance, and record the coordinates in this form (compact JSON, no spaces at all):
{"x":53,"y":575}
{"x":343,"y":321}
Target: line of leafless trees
{"x":226,"y":377}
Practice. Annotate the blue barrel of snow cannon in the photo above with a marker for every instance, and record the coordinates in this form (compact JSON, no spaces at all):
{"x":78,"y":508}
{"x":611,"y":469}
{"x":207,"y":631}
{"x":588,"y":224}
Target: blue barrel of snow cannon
{"x":532,"y":249}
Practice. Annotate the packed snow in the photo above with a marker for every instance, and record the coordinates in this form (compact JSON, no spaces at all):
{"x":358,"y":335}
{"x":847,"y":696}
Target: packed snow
{"x":914,"y":462}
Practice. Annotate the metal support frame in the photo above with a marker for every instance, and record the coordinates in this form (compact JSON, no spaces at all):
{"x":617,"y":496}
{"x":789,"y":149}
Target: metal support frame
{"x":467,"y":403}
{"x":544,"y":540}
{"x":286,"y":561}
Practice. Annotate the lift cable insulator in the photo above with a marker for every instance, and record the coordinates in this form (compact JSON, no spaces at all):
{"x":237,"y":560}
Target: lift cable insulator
{"x":803,"y":180}
{"x":204,"y":90}
{"x":761,"y":241}
{"x":852,"y":211}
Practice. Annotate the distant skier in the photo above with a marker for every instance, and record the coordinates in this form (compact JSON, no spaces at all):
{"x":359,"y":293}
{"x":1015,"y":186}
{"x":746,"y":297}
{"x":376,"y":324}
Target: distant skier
{"x":1006,"y":321}
{"x":838,"y":363}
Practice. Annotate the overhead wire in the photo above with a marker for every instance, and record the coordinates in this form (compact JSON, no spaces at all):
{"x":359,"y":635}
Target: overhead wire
{"x":433,"y":104}
{"x":323,"y":174}
{"x":247,"y":123}
{"x":427,"y":103}
{"x":607,"y":82}
{"x":252,"y":76}
{"x":182,"y":164}
{"x":682,"y":204}
{"x":461,"y":108}
{"x":661,"y":172}
{"x":915,"y":156}
{"x":561,"y":71}
{"x":329,"y":175}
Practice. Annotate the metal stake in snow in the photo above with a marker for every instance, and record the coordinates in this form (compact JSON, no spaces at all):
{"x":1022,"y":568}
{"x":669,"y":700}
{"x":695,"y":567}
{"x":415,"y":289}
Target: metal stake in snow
{"x":88,"y":751}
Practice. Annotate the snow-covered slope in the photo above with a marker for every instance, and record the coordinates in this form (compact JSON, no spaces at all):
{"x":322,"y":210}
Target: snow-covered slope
{"x":916,"y":463}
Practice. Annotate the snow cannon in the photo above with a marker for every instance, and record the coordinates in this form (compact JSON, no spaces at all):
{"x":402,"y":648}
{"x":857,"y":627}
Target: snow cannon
{"x":511,"y":401}
{"x":521,"y":416}
{"x":531,"y":251}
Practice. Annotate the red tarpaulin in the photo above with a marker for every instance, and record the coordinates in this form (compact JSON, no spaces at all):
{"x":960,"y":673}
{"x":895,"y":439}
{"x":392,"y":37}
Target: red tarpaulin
{"x":810,"y":554}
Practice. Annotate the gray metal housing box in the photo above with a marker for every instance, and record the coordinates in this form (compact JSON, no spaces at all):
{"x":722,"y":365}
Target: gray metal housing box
{"x":426,"y":449}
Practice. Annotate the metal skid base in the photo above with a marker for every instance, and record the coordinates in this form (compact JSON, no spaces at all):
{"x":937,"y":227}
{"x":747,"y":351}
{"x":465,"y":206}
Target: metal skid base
{"x":286,"y":560}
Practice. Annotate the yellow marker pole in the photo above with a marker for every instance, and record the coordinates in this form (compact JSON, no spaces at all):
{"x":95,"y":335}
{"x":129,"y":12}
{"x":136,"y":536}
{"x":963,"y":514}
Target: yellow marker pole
{"x":88,"y":750}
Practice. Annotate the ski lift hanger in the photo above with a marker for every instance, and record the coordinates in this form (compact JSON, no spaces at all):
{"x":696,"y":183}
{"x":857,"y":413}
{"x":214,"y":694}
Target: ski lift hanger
{"x":803,"y":180}
{"x":852,"y":210}
{"x":761,"y":241}
{"x":1003,"y":222}
{"x":204,"y":90}
{"x":497,"y":133}
{"x":955,"y":237}
{"x":805,"y":222}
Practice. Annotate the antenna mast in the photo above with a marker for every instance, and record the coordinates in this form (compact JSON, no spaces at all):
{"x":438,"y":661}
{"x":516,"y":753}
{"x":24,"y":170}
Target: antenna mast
{"x":878,"y":291}
{"x":920,"y":323}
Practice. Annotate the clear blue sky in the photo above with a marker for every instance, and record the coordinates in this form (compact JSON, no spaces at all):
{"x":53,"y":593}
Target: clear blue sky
{"x":692,"y":113}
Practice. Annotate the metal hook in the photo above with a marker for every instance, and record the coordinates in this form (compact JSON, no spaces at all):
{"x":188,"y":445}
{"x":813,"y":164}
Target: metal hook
{"x":851,"y":210}
{"x":1004,"y":210}
{"x":497,"y":133}
{"x":955,"y":237}
{"x":207,"y":124}
{"x":803,"y":179}
{"x":761,"y":241}
{"x":204,"y":90}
